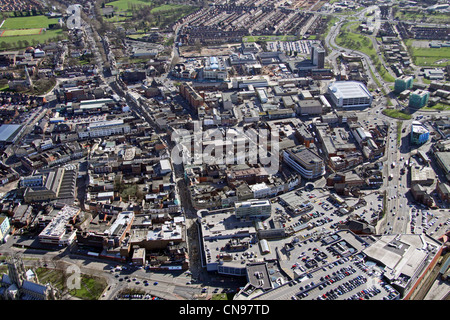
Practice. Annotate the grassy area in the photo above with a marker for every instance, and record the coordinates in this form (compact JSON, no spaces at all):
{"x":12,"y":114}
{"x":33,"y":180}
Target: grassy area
{"x":399,"y":132}
{"x":222,"y":296}
{"x":90,"y":287}
{"x":430,"y":57}
{"x":422,"y":16}
{"x":28,"y":22}
{"x":397,"y":114}
{"x":21,"y":32}
{"x":167,"y":7}
{"x":438,"y":106}
{"x":144,"y":14}
{"x":125,"y":5}
{"x":349,"y":37}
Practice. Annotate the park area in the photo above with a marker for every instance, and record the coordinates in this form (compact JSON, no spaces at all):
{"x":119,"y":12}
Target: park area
{"x":20,"y":32}
{"x":425,"y":56}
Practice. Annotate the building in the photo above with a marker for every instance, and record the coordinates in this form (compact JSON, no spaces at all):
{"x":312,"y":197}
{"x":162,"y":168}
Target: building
{"x":419,"y":98}
{"x":59,"y":184}
{"x":423,"y":176}
{"x":21,"y":84}
{"x":419,"y":134}
{"x":318,"y":56}
{"x":253,"y":209}
{"x":19,"y":284}
{"x":4,"y":228}
{"x":309,"y":107}
{"x":304,"y":161}
{"x":405,"y":259}
{"x":215,"y":69}
{"x":58,"y":231}
{"x":435,"y":74}
{"x":403,"y":83}
{"x":349,"y":94}
{"x":191,"y":95}
{"x":104,"y":129}
{"x":443,"y":191}
{"x":9,"y":133}
{"x":443,"y":160}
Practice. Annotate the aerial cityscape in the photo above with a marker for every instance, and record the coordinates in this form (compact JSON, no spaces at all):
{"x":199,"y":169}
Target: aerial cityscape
{"x":234,"y":150}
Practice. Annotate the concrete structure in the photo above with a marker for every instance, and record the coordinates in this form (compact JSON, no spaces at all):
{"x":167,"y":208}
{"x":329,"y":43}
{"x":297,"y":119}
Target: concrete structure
{"x":349,"y":94}
{"x":318,"y":56}
{"x":443,"y":160}
{"x":405,"y":258}
{"x":403,"y":83}
{"x":309,"y":107}
{"x":419,"y":98}
{"x":215,"y":69}
{"x":104,"y":128}
{"x":304,"y":161}
{"x":253,"y":209}
{"x":59,"y":184}
{"x":57,"y":231}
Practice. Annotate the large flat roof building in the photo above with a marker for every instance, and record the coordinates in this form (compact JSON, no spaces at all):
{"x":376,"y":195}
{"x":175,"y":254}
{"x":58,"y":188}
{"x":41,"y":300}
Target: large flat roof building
{"x":253,"y":208}
{"x":304,"y":161}
{"x":349,"y":94}
{"x":9,"y":133}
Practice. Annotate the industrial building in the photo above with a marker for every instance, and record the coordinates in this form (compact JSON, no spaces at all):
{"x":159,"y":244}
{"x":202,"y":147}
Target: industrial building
{"x":9,"y":133}
{"x":349,"y":94}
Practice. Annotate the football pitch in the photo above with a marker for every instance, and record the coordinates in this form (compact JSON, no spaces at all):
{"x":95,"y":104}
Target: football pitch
{"x":20,"y":32}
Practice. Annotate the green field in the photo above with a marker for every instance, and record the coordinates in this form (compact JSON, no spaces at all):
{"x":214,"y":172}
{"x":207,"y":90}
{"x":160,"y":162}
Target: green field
{"x":428,"y":57}
{"x":28,"y":22}
{"x":20,"y":32}
{"x":439,"y":107}
{"x":14,"y":42}
{"x":125,"y":5}
{"x":422,"y":16}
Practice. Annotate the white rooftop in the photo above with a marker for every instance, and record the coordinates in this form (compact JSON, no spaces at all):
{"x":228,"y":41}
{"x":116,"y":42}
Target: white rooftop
{"x":349,"y":89}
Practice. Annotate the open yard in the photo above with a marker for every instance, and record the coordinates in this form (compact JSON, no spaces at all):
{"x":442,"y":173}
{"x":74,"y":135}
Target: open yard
{"x":424,"y":56}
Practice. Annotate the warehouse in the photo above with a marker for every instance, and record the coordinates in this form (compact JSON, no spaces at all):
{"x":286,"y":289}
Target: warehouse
{"x":9,"y":133}
{"x":349,"y":94}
